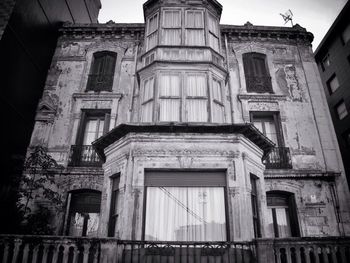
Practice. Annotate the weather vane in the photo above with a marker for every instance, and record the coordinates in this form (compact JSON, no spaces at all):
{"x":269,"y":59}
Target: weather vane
{"x":288,"y":16}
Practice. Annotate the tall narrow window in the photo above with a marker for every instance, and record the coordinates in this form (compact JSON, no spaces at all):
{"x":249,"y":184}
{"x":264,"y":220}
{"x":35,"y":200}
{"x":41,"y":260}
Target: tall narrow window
{"x":84,"y":213}
{"x":341,"y":110}
{"x":346,"y":34}
{"x":282,"y":220}
{"x":93,"y":124}
{"x":332,"y":84}
{"x":196,"y":98}
{"x":171,"y":27}
{"x":218,"y":105}
{"x":256,"y":73}
{"x":114,"y":205}
{"x":185,"y":206}
{"x":194,"y":28}
{"x":102,"y":71}
{"x":213,"y":32}
{"x":147,"y":100}
{"x":152,"y":31}
{"x":255,"y":206}
{"x":169,"y":97}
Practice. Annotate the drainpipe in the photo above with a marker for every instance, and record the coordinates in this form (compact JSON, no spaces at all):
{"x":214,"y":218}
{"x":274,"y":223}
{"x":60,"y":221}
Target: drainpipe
{"x":229,"y":80}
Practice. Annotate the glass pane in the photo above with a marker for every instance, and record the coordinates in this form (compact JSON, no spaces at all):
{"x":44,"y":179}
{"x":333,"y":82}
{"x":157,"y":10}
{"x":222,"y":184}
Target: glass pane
{"x":196,"y":110}
{"x":172,"y":37}
{"x":169,"y":110}
{"x":341,"y":110}
{"x":258,"y":125}
{"x":171,"y":19}
{"x":76,"y":224}
{"x":90,"y":132}
{"x":100,"y":128}
{"x":269,"y":222}
{"x":334,"y":84}
{"x":185,"y":214}
{"x":283,"y":223}
{"x":195,"y":37}
{"x":212,"y":25}
{"x":152,"y":40}
{"x":148,"y":90}
{"x":196,"y":85}
{"x":169,"y":85}
{"x":147,"y":111}
{"x":270,"y":131}
{"x":217,"y":90}
{"x":152,"y":23}
{"x":213,"y":42}
{"x":194,"y":19}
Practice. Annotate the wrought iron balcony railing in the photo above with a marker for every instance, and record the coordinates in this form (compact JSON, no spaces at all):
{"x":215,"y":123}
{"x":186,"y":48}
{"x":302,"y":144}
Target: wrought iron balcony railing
{"x":100,"y":82}
{"x":259,"y":84}
{"x":83,"y":155}
{"x":278,"y":158}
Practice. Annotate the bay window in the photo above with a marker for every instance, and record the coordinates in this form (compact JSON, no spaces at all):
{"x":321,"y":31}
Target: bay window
{"x":185,"y":206}
{"x":182,"y":97}
{"x":194,"y":28}
{"x":171,"y":27}
{"x":152,"y":31}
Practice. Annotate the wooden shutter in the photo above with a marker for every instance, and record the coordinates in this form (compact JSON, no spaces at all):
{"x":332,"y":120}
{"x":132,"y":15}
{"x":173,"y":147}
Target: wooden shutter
{"x":106,"y":123}
{"x":81,"y":129}
{"x":185,"y":178}
{"x":248,"y":64}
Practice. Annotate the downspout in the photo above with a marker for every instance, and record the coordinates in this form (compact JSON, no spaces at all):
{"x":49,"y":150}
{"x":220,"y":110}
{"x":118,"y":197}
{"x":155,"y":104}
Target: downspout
{"x":335,"y":200}
{"x":229,"y":80}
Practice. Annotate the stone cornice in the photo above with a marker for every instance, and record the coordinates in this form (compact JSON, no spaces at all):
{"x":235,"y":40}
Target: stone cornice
{"x":300,"y":174}
{"x":267,"y":33}
{"x":97,"y":95}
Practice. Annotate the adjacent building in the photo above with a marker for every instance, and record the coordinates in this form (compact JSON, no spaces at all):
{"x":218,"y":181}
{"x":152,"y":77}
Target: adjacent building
{"x":28,"y":38}
{"x":184,"y":140}
{"x":333,"y":59}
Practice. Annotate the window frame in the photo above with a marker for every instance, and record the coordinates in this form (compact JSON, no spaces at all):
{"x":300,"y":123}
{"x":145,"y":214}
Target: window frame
{"x":191,"y":28}
{"x":91,"y":85}
{"x":277,"y":121}
{"x":292,"y":212}
{"x":155,"y":31}
{"x":255,"y":203}
{"x":330,"y":90}
{"x":188,"y":183}
{"x":336,"y":107}
{"x":113,"y":209}
{"x":212,"y":33}
{"x":172,"y":28}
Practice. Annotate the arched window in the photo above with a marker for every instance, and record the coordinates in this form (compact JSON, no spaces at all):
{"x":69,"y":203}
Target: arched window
{"x":282,"y":219}
{"x":102,"y":71}
{"x":84,"y":213}
{"x":256,"y":73}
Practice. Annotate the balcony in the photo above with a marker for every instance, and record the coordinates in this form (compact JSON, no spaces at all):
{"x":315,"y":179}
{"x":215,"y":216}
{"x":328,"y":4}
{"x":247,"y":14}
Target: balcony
{"x":100,"y":82}
{"x":56,"y":249}
{"x":83,"y":155}
{"x":278,"y":158}
{"x":259,"y":84}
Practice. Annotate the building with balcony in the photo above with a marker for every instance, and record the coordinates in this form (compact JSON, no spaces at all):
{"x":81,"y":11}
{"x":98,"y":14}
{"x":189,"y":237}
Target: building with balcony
{"x":183,"y":140}
{"x":333,"y":60}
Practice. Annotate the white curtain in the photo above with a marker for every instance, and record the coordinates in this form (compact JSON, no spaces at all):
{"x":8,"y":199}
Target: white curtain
{"x":283,"y":223}
{"x":152,"y":40}
{"x":194,"y":28}
{"x":197,"y":100}
{"x":185,"y":214}
{"x":213,"y":33}
{"x":218,"y":106}
{"x":172,"y":37}
{"x":169,"y":98}
{"x":195,"y":37}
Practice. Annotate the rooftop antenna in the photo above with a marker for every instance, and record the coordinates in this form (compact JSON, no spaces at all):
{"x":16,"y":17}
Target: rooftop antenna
{"x":288,"y":16}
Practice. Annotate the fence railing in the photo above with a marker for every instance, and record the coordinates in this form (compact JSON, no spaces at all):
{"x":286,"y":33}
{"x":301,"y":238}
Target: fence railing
{"x":278,"y":158}
{"x":47,"y":249}
{"x":83,"y":155}
{"x":304,"y":250}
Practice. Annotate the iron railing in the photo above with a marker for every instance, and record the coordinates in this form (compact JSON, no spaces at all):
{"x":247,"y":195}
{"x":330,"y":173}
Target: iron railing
{"x":259,"y":84}
{"x":100,"y":82}
{"x":278,"y":158}
{"x":83,"y":155}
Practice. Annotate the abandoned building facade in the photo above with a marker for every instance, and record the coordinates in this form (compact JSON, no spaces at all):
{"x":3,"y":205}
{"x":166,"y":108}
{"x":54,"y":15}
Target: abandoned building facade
{"x":183,"y":129}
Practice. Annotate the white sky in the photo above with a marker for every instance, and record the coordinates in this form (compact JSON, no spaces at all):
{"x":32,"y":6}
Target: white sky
{"x":315,"y":15}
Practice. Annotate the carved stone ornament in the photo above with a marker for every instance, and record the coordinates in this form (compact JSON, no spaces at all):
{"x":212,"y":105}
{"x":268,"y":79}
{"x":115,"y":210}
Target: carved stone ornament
{"x":47,"y":108}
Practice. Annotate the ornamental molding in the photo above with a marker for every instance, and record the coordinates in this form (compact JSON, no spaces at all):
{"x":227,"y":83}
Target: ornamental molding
{"x":262,"y":97}
{"x":93,"y":96}
{"x":47,"y":108}
{"x":293,"y":174}
{"x":184,"y":152}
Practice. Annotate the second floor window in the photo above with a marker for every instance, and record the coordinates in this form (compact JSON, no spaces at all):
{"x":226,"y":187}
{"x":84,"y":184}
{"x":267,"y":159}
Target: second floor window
{"x":213,"y":32}
{"x":194,"y":28}
{"x":152,"y":31}
{"x":179,"y":97}
{"x":171,"y":27}
{"x":256,"y":73}
{"x":332,"y":84}
{"x":102,"y":71}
